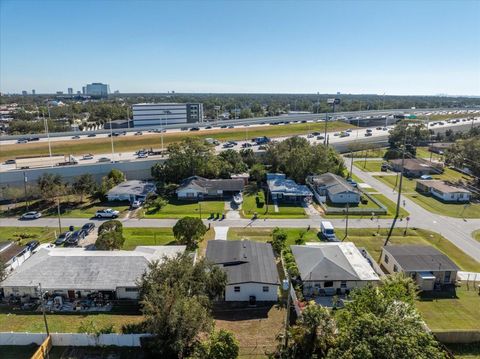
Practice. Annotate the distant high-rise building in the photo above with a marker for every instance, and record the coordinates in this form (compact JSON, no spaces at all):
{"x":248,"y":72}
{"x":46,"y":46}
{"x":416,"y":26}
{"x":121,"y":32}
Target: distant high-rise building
{"x":97,"y":89}
{"x":79,"y":92}
{"x":70,"y":91}
{"x":24,"y":93}
{"x":84,"y":90}
{"x":33,"y":92}
{"x":117,"y":92}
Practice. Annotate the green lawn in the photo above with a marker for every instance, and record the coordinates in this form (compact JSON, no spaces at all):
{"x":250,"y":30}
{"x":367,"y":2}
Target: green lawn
{"x":465,"y":351}
{"x":249,"y":207}
{"x":17,"y":321}
{"x":457,"y":210}
{"x":179,"y":209}
{"x":368,"y":166}
{"x":265,"y":234}
{"x":423,"y":152}
{"x":457,"y":312}
{"x":147,"y":237}
{"x":372,"y":153}
{"x":373,"y":242}
{"x":476,"y":235}
{"x":26,"y":234}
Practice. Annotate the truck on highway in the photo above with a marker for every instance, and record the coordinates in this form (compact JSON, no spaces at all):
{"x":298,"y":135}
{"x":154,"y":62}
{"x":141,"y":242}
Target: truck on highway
{"x":261,"y":140}
{"x":327,"y":231}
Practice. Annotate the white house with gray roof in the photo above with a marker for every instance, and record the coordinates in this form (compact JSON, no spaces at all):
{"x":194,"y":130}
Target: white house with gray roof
{"x":251,"y":269}
{"x":196,"y":187}
{"x":283,"y":189}
{"x":335,"y":188}
{"x":77,"y":272}
{"x":332,"y":268}
{"x":131,"y":191}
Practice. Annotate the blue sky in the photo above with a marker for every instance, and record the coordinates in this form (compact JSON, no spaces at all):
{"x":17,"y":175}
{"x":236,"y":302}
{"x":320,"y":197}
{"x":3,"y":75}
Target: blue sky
{"x":396,"y":47}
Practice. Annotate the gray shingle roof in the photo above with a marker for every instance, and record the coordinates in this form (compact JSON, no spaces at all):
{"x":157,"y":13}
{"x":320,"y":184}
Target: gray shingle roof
{"x":77,"y":268}
{"x":134,"y":187}
{"x":231,"y":185}
{"x":334,"y":183}
{"x":244,"y":261}
{"x":421,"y":258}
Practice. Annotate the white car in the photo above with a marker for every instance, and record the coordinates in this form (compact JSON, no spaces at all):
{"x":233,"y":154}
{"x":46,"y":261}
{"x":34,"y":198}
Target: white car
{"x":136,"y":204}
{"x":107,"y":213}
{"x":31,"y":215}
{"x":88,"y":157}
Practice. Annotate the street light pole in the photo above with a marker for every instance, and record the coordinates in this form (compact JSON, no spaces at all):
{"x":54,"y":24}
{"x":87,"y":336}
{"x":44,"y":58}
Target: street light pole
{"x":111,"y":140}
{"x":45,"y":123}
{"x":59,"y":217}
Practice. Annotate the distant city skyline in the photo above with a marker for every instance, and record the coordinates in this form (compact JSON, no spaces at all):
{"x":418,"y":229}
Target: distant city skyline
{"x":357,"y":47}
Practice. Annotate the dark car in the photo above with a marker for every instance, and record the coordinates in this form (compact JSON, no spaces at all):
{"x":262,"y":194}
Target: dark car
{"x":231,"y":126}
{"x":75,"y":137}
{"x":34,"y":139}
{"x":87,"y":228}
{"x":223,"y":126}
{"x":195,"y":129}
{"x":208,"y":127}
{"x":62,"y":238}
{"x":92,"y":135}
{"x":32,"y":245}
{"x":10,"y":162}
{"x":76,"y":237}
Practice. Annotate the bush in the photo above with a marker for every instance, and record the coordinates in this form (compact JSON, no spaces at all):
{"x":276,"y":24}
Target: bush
{"x":260,"y":199}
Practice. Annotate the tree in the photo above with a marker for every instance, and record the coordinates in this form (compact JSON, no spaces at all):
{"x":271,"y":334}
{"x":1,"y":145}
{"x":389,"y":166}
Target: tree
{"x":415,"y":135}
{"x":221,"y":344}
{"x":189,"y":231}
{"x":232,"y":162}
{"x":50,"y":186}
{"x":248,"y":156}
{"x":176,"y":296}
{"x":110,"y":236}
{"x":3,"y":270}
{"x":84,"y":185}
{"x":279,"y":239}
{"x":257,"y":173}
{"x":465,"y":153}
{"x":116,"y":177}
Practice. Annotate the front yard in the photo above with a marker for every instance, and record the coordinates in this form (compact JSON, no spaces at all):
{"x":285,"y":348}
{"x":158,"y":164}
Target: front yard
{"x":265,"y":234}
{"x":179,"y":209}
{"x":26,"y":234}
{"x":369,"y":166}
{"x":147,"y":237}
{"x":251,"y":206}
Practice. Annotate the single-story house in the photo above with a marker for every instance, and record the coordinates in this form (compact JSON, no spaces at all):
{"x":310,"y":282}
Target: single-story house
{"x":243,"y":176}
{"x":131,"y":191}
{"x":251,"y":269}
{"x":332,"y":268}
{"x":425,"y":264}
{"x":77,"y":272}
{"x":197,"y":187}
{"x":335,"y":188}
{"x":416,"y":167}
{"x":440,"y":147}
{"x":443,"y":191}
{"x":283,"y":189}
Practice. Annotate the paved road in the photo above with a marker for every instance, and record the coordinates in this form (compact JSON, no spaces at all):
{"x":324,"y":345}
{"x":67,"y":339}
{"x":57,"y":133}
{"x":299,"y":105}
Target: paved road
{"x":456,"y":230}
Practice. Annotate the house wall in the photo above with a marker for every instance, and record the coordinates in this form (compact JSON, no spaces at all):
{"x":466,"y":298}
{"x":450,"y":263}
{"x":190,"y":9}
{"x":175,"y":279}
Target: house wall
{"x":248,"y":289}
{"x":188,"y":193}
{"x":345,"y":197}
{"x":119,"y":197}
{"x":391,"y":262}
{"x":451,"y":197}
{"x":123,"y":293}
{"x":20,"y":291}
{"x":313,"y":288}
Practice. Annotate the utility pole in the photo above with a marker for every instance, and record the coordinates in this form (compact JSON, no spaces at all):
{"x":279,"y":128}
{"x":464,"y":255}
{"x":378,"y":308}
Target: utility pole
{"x":59,"y":217}
{"x":111,"y":140}
{"x":45,"y":123}
{"x":43,"y":308}
{"x":351,"y":163}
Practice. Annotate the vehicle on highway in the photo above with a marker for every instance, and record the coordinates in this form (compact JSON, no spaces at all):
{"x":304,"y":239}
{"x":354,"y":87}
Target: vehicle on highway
{"x":228,"y":145}
{"x":75,"y":137}
{"x":76,"y":237}
{"x":231,"y":126}
{"x":137,"y":204}
{"x":223,"y":126}
{"x":316,"y":133}
{"x":138,"y":133}
{"x":368,"y":134}
{"x":115,"y":134}
{"x":32,"y":245}
{"x":31,"y":215}
{"x":10,"y":162}
{"x":246,"y":145}
{"x":320,"y":137}
{"x":22,"y":140}
{"x":344,"y":134}
{"x":92,"y":135}
{"x":441,"y":123}
{"x":62,"y":238}
{"x":107,"y":213}
{"x":103,"y":159}
{"x":348,"y":130}
{"x":336,"y":134}
{"x":195,"y":129}
{"x":87,"y":228}
{"x":304,"y":121}
{"x":368,"y":130}
{"x":88,"y":156}
{"x":378,"y":128}
{"x":208,"y":127}
{"x":30,"y":139}
{"x":142,"y":155}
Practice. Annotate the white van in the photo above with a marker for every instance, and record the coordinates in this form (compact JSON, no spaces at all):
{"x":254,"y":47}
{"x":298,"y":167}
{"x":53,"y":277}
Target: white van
{"x":328,"y":231}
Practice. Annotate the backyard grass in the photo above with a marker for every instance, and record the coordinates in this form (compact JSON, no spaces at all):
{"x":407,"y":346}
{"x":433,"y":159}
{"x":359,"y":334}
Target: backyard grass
{"x":60,"y":323}
{"x":371,"y":153}
{"x":369,"y":166}
{"x":249,"y":207}
{"x":147,"y":237}
{"x":423,"y":152}
{"x":179,"y":209}
{"x":26,"y":234}
{"x":476,"y":235}
{"x":133,"y":143}
{"x":465,"y":351}
{"x":373,"y":242}
{"x":457,"y":210}
{"x":265,"y":234}
{"x":453,"y":312}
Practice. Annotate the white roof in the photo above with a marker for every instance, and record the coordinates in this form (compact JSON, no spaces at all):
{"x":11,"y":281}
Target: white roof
{"x":78,"y":268}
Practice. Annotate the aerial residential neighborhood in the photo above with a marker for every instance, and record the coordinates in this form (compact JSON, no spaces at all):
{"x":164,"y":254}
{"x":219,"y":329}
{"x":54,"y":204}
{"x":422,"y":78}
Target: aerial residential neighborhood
{"x":230,"y":179}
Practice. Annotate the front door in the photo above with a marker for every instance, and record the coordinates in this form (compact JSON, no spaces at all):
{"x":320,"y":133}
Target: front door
{"x":71,"y":294}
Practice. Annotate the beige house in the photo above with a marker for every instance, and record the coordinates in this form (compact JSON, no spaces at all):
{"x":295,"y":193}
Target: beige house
{"x":429,"y":267}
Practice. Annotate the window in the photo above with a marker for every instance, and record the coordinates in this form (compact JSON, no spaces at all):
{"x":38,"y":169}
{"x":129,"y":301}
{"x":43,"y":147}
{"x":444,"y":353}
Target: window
{"x":328,"y":284}
{"x":395,"y":268}
{"x":386,"y":258}
{"x":447,"y":277}
{"x":266,"y":289}
{"x":343,"y":284}
{"x":236,"y":289}
{"x":132,"y":289}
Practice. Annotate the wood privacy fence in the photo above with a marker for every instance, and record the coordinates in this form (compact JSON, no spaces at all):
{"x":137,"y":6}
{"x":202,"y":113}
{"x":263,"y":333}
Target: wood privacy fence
{"x":44,"y":349}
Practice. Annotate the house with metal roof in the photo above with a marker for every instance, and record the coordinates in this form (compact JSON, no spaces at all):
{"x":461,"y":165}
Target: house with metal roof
{"x":443,"y":191}
{"x":332,"y":268}
{"x":283,"y":189}
{"x":251,"y":269}
{"x":416,"y":167}
{"x":428,"y":267}
{"x":77,"y":272}
{"x":131,"y":191}
{"x":196,"y":187}
{"x":335,"y":188}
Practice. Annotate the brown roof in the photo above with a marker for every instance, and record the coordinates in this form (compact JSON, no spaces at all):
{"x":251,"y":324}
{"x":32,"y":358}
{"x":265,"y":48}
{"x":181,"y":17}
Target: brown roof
{"x":414,"y":164}
{"x":8,"y":250}
{"x":442,"y":186}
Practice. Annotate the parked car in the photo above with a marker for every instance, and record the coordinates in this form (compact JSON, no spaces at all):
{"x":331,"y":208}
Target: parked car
{"x":228,"y":145}
{"x":138,"y":133}
{"x":368,"y":130}
{"x":62,"y":238}
{"x":76,"y":137}
{"x":92,"y":135}
{"x":76,"y":237}
{"x":384,"y":167}
{"x":32,"y":245}
{"x":137,"y":204}
{"x":142,"y":155}
{"x":10,"y":162}
{"x":88,"y":156}
{"x":246,"y":145}
{"x":104,"y":159}
{"x":107,"y":213}
{"x":87,"y":228}
{"x":195,"y":129}
{"x":368,"y":134}
{"x":31,"y":215}
{"x":22,"y":140}
{"x":320,"y":137}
